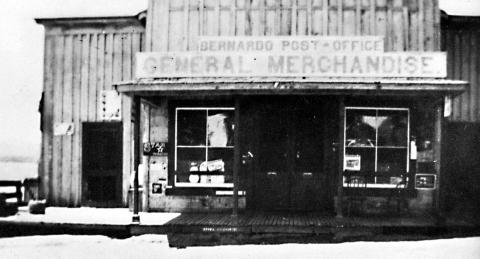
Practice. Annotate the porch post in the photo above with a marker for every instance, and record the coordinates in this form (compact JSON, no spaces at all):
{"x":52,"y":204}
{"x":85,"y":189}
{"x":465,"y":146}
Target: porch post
{"x":136,"y":159}
{"x":437,"y":154}
{"x":236,"y":156}
{"x":341,"y":118}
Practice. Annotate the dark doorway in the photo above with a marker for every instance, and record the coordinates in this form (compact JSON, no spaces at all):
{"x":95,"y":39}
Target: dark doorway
{"x":289,"y":156}
{"x":102,"y":164}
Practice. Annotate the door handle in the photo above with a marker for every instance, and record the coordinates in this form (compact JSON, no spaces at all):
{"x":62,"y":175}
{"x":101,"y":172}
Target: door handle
{"x":272,"y":173}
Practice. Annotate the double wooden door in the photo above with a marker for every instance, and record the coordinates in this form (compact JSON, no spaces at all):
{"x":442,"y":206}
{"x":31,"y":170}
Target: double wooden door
{"x":289,"y":172}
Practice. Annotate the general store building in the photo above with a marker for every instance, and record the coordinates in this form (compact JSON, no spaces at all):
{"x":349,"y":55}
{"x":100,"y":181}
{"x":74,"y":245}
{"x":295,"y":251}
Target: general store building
{"x":256,"y":105}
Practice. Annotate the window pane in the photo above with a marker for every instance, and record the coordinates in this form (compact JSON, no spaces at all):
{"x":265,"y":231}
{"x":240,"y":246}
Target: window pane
{"x":220,"y":128}
{"x":392,"y":129}
{"x":365,"y":156}
{"x":361,"y":125}
{"x":392,"y":161}
{"x":191,"y":127}
{"x":188,"y":162}
{"x":221,"y":163}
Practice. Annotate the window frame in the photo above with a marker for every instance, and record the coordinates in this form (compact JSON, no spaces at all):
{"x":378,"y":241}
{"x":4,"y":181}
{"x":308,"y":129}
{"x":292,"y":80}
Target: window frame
{"x":206,"y":146}
{"x":376,"y":147}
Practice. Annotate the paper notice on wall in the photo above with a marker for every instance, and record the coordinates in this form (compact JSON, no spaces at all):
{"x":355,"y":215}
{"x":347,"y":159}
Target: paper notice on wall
{"x":110,"y":105}
{"x":413,"y":150}
{"x":63,"y":128}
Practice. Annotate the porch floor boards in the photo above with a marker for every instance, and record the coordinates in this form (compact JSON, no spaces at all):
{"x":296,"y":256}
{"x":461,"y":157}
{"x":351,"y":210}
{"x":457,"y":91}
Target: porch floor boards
{"x":291,"y":222}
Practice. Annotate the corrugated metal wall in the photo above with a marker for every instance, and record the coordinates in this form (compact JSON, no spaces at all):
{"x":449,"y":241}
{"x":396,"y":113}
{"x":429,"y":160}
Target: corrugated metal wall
{"x":406,"y":24}
{"x":81,"y":59}
{"x":462,"y":42}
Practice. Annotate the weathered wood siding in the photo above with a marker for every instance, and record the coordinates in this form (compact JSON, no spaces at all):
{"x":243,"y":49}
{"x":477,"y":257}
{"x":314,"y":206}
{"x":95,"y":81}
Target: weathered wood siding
{"x":82,"y":57}
{"x":461,"y":39}
{"x":406,"y":24}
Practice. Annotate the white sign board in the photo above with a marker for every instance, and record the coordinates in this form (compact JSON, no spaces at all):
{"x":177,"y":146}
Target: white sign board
{"x":291,"y":64}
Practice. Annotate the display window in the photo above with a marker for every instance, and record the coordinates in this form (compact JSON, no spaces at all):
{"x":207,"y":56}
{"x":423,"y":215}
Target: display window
{"x":376,"y":153}
{"x":204,"y":145}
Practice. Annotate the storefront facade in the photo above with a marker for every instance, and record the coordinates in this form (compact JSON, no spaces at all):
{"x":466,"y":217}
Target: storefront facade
{"x":327,"y":106}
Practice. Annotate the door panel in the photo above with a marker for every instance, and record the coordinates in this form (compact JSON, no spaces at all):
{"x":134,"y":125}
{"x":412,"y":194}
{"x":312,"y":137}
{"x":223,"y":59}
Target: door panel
{"x":290,"y":171}
{"x":102,"y":164}
{"x":272,"y":174}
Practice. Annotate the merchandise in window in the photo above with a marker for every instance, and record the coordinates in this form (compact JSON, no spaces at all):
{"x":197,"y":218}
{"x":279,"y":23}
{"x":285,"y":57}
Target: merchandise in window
{"x":204,"y":147}
{"x":376,"y":147}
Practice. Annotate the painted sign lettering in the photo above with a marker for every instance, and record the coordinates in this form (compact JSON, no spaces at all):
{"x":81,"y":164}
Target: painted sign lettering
{"x":291,"y":64}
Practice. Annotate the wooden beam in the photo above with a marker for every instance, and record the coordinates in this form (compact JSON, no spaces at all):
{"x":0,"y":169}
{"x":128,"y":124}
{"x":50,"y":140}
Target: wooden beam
{"x":341,"y":143}
{"x":437,"y":154}
{"x":136,"y":157}
{"x":236,"y":156}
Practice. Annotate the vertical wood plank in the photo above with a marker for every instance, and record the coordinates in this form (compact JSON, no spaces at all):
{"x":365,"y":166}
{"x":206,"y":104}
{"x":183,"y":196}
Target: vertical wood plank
{"x":233,"y":17}
{"x":151,"y":15}
{"x":270,"y":17}
{"x":193,"y":25}
{"x":71,"y":53}
{"x":325,"y":18}
{"x":414,"y":44}
{"x":317,"y":19}
{"x":436,"y":26}
{"x":333,"y":17}
{"x":293,"y":30}
{"x":421,"y":22}
{"x":55,"y":185}
{"x":91,"y":94}
{"x":126,"y":57}
{"x":456,"y":72}
{"x":286,"y":17}
{"x":45,"y":168}
{"x":117,"y":59}
{"x":241,"y":18}
{"x":302,"y":17}
{"x":373,"y":17}
{"x":429,"y":25}
{"x":381,"y":22}
{"x":136,"y":47}
{"x":108,"y":63}
{"x":397,"y":25}
{"x":309,"y":17}
{"x":358,"y":17}
{"x":348,"y":23}
{"x":101,"y":58}
{"x":340,"y":17}
{"x":186,"y":15}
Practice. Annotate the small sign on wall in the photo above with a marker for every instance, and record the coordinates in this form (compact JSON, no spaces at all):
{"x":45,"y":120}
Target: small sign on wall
{"x":63,"y":129}
{"x":425,"y":181}
{"x":110,"y":105}
{"x":154,"y":148}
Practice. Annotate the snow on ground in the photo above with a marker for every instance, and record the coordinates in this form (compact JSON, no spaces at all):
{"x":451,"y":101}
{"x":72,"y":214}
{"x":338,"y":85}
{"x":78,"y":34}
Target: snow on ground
{"x":156,"y":246}
{"x":85,"y":215}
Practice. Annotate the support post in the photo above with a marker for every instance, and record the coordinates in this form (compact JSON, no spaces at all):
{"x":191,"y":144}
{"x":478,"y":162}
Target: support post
{"x":341,"y":146}
{"x":437,"y":155}
{"x":136,"y":159}
{"x":236,"y":157}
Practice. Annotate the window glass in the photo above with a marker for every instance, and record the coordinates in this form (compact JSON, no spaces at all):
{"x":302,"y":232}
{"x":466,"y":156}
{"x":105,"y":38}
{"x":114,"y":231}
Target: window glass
{"x":204,"y":147}
{"x":376,"y":146}
{"x":191,"y":127}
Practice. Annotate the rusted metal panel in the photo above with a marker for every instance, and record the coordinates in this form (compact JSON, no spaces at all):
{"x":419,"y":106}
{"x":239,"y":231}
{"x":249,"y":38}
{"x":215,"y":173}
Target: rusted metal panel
{"x":81,"y":59}
{"x":406,"y":25}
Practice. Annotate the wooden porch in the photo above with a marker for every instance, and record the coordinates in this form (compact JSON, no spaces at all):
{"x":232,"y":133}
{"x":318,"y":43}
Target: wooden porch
{"x":286,"y":222}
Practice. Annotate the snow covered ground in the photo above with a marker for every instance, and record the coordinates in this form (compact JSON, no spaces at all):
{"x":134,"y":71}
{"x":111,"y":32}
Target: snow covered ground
{"x":156,"y":246}
{"x":85,"y":215}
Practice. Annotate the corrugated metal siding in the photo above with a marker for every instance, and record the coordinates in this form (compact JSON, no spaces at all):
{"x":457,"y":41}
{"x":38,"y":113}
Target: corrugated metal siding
{"x":463,"y":61}
{"x":406,"y":24}
{"x":79,"y":63}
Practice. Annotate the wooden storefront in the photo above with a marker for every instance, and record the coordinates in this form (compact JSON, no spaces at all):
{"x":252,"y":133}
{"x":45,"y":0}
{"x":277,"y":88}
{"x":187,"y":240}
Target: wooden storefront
{"x":219,"y":142}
